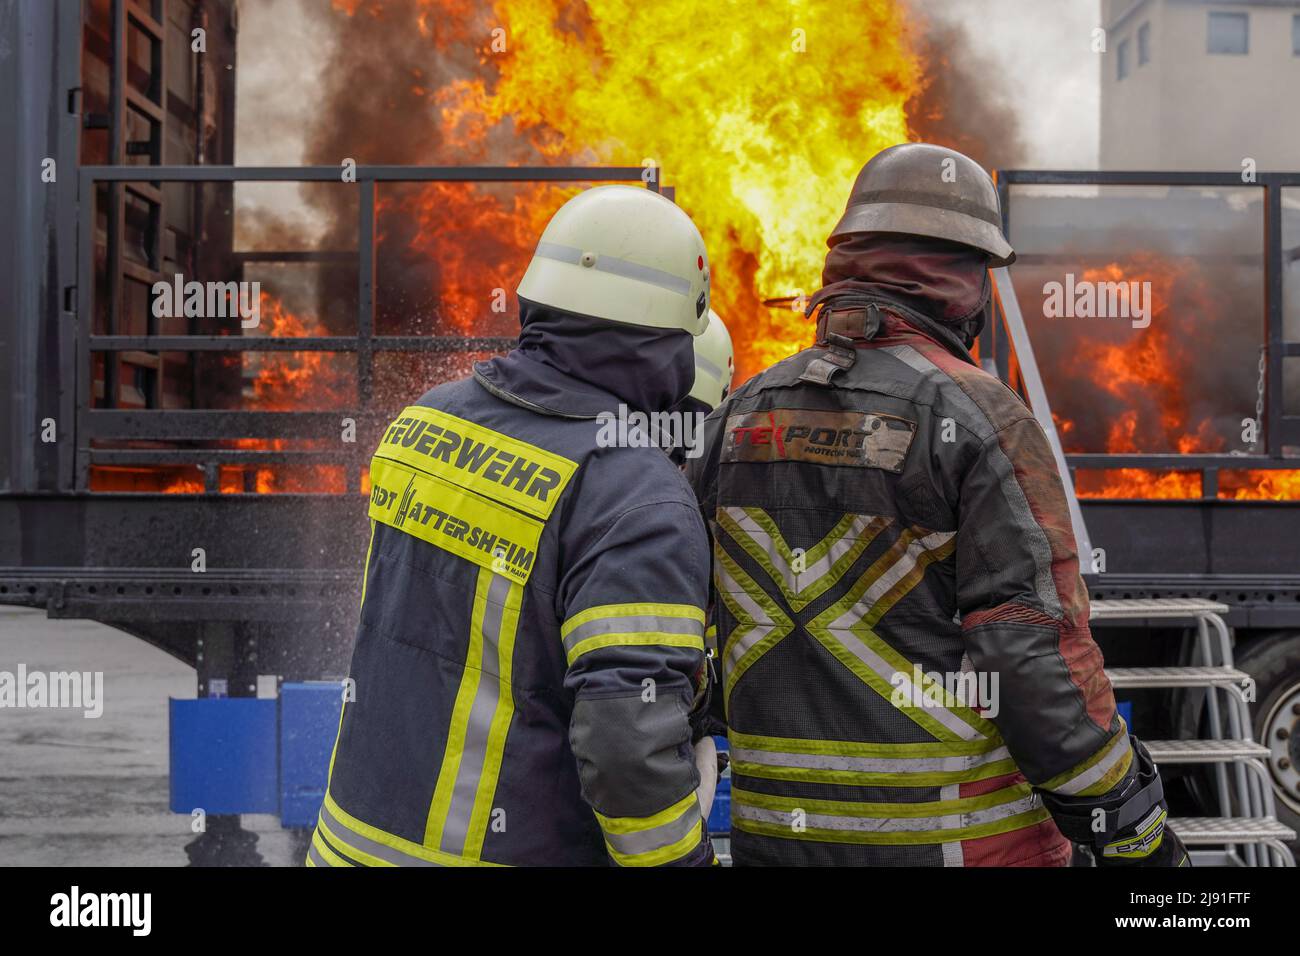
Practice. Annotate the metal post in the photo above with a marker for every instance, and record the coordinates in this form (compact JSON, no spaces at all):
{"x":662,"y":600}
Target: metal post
{"x":1038,"y":403}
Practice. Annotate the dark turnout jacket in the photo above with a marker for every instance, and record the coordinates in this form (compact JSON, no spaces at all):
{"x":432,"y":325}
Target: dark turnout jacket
{"x":530,"y":640}
{"x":903,"y":630}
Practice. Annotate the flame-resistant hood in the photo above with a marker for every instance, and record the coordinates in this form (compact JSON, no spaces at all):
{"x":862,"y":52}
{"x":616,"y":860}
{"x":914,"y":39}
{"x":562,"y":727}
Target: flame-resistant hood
{"x":946,"y":282}
{"x":577,"y":367}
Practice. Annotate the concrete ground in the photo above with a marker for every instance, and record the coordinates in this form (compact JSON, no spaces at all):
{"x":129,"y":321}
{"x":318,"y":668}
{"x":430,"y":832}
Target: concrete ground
{"x":76,"y":791}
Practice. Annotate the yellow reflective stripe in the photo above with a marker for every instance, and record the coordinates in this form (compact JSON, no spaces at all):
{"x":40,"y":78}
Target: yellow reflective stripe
{"x":845,"y":629}
{"x":655,"y":840}
{"x":894,"y":837}
{"x":478,"y":459}
{"x":849,"y":748}
{"x":451,"y":756}
{"x":758,"y":534}
{"x":462,"y":800}
{"x":635,"y":824}
{"x":361,"y":856}
{"x":467,"y":525}
{"x":496,"y":743}
{"x":365,"y":568}
{"x":929,"y":764}
{"x":323,"y":848}
{"x":1100,"y":772}
{"x":637,"y":624}
{"x":347,"y":842}
{"x":928,"y":808}
{"x":632,"y":640}
{"x":601,"y":611}
{"x":668,"y":854}
{"x":875,"y":778}
{"x":760,"y":623}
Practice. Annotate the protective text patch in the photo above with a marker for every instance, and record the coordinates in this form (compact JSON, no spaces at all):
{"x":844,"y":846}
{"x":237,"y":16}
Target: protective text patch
{"x":487,"y":462}
{"x":467,"y":525}
{"x":861,"y":439}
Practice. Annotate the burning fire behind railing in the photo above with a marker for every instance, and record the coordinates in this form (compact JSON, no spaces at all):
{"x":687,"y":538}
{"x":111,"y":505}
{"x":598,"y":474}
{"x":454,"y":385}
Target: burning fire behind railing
{"x":760,"y":137}
{"x":1180,"y":385}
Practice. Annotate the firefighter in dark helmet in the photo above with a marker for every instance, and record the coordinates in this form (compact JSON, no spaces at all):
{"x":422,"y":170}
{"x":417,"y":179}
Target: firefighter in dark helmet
{"x":907,"y":668}
{"x":530,"y":645}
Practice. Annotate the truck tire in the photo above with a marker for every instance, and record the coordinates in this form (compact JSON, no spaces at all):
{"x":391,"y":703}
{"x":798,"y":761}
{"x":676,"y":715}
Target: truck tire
{"x":1274,"y":662}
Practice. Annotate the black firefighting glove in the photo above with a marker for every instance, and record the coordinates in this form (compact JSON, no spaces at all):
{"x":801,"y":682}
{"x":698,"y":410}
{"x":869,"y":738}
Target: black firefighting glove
{"x":1127,"y":825}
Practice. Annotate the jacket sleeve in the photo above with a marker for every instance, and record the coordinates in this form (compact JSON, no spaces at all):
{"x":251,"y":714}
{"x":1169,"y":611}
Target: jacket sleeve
{"x":1024,"y":612}
{"x":633,"y":630}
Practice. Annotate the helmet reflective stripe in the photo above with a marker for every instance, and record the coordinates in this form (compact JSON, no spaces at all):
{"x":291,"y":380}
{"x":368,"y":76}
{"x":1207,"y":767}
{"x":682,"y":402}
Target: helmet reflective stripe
{"x":619,"y":267}
{"x":714,"y":363}
{"x":920,"y":189}
{"x":702,"y":363}
{"x":623,"y":254}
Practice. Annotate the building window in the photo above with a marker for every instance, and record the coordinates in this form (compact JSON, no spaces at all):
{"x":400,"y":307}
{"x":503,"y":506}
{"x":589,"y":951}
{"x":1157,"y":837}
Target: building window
{"x":1228,"y":33}
{"x":1144,"y":44}
{"x":1121,"y":64}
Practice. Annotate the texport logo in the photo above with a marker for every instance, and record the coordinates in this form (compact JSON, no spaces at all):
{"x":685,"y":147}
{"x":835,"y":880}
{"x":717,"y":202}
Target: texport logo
{"x":863,"y":439}
{"x":74,"y":908}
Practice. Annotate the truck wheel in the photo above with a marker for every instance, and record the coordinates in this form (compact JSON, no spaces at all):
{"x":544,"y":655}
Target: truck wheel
{"x":1274,"y":663}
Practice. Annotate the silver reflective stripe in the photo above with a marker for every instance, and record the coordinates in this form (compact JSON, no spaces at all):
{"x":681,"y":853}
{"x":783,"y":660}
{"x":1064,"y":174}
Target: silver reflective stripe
{"x":366,"y":845}
{"x":798,"y":581}
{"x":891,"y":576}
{"x":826,"y":821}
{"x":656,"y":838}
{"x":900,"y":680}
{"x":487,"y":696}
{"x":763,"y":623}
{"x":973,"y":417}
{"x":314,"y":855}
{"x":770,"y":758}
{"x":618,"y":267}
{"x":635,"y":624}
{"x":1096,"y":771}
{"x":840,"y":630}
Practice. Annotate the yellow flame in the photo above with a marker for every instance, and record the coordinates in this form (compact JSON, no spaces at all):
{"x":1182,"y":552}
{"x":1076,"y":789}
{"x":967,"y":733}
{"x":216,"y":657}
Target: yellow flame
{"x":759,"y":114}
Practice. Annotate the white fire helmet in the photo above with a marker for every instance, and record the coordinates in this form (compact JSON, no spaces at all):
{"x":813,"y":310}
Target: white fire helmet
{"x":715,"y":363}
{"x":624,"y":254}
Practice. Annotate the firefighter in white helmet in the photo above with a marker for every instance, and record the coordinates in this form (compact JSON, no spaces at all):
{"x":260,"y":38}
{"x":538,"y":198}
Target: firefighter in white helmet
{"x":531,"y":631}
{"x":715,"y":364}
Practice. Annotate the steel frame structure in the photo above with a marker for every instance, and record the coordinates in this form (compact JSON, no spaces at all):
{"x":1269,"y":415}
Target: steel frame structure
{"x":1280,"y":429}
{"x":94,"y":424}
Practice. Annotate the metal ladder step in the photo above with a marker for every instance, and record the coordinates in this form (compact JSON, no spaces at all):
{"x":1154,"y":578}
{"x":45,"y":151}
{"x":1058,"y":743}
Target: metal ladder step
{"x":1176,"y":676}
{"x":1198,"y":831}
{"x":1204,"y":751}
{"x":1122,"y":609}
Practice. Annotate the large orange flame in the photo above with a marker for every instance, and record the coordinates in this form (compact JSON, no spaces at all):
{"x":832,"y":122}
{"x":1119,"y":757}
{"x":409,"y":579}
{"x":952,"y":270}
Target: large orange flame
{"x":761,"y":132}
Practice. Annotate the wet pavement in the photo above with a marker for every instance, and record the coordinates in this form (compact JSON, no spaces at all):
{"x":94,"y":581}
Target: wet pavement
{"x":93,"y":791}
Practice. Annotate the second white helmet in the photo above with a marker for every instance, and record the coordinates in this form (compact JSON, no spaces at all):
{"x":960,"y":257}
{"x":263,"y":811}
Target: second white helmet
{"x":624,"y":254}
{"x":715,"y":363}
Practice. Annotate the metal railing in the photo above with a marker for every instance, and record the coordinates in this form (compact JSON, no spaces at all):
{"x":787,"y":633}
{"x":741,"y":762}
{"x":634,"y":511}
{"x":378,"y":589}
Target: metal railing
{"x":1278,"y":428}
{"x":113,"y":424}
